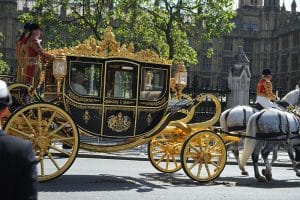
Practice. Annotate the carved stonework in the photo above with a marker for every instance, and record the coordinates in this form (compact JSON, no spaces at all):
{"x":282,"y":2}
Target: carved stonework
{"x":109,"y":48}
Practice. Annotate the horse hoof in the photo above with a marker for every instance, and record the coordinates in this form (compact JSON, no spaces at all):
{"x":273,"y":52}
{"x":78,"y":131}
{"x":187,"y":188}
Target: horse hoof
{"x":269,"y":177}
{"x":261,"y":179}
{"x":245,"y":173}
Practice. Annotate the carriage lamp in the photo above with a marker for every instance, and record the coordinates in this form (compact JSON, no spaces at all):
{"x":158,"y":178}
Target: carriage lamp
{"x":180,"y":79}
{"x":59,"y":70}
{"x":181,"y":75}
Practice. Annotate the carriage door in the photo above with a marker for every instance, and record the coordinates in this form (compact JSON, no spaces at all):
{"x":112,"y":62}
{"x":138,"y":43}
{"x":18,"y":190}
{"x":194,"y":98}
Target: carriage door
{"x":82,"y":93}
{"x":120,"y":99}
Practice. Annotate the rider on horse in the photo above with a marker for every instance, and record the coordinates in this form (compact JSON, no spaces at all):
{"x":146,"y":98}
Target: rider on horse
{"x":264,"y":90}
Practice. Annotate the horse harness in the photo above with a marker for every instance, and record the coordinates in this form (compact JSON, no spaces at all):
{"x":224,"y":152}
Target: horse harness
{"x":274,"y":135}
{"x":243,"y":127}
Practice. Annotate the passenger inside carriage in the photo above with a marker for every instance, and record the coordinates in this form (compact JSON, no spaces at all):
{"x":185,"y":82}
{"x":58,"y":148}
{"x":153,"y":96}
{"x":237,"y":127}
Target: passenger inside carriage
{"x":77,"y":84}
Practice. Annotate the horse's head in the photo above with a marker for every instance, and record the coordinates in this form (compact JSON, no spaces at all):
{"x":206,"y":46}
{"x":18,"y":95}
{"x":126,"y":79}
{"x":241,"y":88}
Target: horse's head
{"x":293,"y":97}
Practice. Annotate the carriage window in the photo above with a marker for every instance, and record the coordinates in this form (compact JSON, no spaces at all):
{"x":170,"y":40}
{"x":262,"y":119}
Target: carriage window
{"x":153,"y":84}
{"x":85,"y":78}
{"x":121,"y":81}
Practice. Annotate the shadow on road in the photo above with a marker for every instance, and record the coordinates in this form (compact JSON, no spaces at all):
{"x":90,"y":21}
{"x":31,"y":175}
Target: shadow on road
{"x":101,"y":182}
{"x":152,"y":181}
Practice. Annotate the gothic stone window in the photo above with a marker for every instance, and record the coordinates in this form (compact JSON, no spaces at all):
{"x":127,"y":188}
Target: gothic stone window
{"x":284,"y":64}
{"x":285,"y":41}
{"x":248,"y":45}
{"x":206,"y":64}
{"x":295,"y":61}
{"x":226,"y":64}
{"x":228,"y":43}
{"x":296,"y":39}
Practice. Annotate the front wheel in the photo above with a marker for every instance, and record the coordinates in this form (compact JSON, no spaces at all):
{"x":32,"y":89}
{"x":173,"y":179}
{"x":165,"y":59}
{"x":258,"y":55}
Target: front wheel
{"x":203,"y":156}
{"x":49,"y":128}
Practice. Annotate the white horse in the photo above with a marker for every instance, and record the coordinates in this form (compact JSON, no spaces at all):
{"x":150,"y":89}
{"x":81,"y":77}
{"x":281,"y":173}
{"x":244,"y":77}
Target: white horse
{"x":235,"y":120}
{"x":270,"y":127}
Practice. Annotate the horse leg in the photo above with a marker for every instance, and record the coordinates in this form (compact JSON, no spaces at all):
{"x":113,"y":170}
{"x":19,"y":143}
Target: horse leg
{"x":291,"y":155}
{"x":255,"y":156}
{"x":236,"y":153}
{"x":274,"y":156}
{"x":297,"y":155}
{"x":265,"y":153}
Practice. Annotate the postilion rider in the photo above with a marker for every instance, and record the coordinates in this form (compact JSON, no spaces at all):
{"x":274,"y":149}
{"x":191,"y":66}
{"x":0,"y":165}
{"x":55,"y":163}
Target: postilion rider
{"x":264,"y":89}
{"x":35,"y":55}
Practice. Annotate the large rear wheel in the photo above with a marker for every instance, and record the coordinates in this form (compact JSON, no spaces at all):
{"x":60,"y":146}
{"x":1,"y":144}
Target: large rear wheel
{"x":48,"y":127}
{"x":203,"y":156}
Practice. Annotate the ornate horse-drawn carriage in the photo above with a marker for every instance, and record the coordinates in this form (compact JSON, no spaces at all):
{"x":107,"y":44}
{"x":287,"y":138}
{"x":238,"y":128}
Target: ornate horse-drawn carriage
{"x":104,"y":97}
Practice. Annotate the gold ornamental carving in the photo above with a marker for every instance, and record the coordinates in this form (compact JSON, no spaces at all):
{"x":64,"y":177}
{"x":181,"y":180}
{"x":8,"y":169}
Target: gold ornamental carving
{"x":110,"y":48}
{"x":149,"y":119}
{"x":119,"y":123}
{"x":86,"y":116}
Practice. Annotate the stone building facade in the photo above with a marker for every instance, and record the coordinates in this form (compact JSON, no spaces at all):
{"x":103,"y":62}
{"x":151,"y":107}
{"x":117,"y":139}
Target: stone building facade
{"x":270,"y":36}
{"x":9,"y":28}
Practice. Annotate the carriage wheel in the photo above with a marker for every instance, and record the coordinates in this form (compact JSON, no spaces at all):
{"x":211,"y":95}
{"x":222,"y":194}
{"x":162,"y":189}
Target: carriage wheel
{"x":164,"y":152}
{"x":203,"y":156}
{"x":48,"y":127}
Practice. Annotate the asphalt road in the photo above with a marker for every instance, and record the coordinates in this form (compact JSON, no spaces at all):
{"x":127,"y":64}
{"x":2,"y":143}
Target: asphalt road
{"x":110,"y":179}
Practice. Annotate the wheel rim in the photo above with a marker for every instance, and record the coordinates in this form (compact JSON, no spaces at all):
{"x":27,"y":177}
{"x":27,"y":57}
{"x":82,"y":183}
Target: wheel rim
{"x":48,"y":127}
{"x":164,"y":152}
{"x":204,"y":156}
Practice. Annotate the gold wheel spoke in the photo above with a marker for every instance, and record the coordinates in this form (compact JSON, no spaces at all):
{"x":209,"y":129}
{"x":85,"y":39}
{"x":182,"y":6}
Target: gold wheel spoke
{"x":215,"y":164}
{"x":167,"y":161}
{"x":50,"y":121}
{"x":61,"y":139}
{"x":163,"y":157}
{"x":216,"y":155}
{"x":199,"y":169}
{"x":21,"y":133}
{"x":207,"y":169}
{"x":194,"y":148}
{"x":57,"y":138}
{"x":158,"y":151}
{"x":42,"y":166}
{"x":193,"y":165}
{"x":59,"y":128}
{"x":28,"y":123}
{"x":39,"y":116}
{"x":53,"y":161}
{"x":174,"y":160}
{"x":60,"y":150}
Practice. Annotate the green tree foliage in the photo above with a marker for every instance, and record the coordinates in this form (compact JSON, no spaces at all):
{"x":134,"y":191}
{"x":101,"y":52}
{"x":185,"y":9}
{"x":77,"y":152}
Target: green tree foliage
{"x":4,"y":69}
{"x":172,"y":28}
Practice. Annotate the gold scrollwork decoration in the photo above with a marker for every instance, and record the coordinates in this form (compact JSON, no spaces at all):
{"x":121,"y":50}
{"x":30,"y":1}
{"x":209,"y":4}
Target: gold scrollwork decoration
{"x":108,"y":48}
{"x":119,"y":123}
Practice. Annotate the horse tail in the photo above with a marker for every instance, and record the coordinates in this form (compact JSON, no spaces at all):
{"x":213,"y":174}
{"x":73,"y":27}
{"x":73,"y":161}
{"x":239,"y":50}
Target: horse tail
{"x":223,"y":120}
{"x":249,"y":143}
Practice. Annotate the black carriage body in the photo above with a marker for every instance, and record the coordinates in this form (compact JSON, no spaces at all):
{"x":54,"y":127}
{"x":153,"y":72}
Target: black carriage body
{"x":118,"y":97}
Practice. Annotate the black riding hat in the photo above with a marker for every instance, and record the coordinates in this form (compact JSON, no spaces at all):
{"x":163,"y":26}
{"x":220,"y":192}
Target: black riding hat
{"x":27,"y":26}
{"x":34,"y":26}
{"x":5,"y":97}
{"x":266,"y":72}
